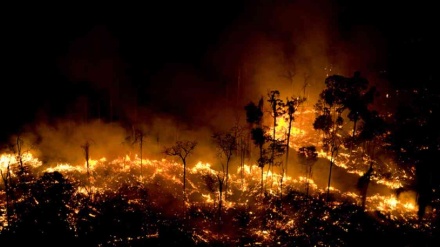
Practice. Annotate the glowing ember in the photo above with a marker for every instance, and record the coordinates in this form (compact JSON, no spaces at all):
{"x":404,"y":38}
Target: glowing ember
{"x":163,"y":178}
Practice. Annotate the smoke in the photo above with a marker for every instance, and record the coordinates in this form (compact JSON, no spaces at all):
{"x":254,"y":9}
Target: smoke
{"x":290,"y":46}
{"x":286,"y":45}
{"x":63,"y":141}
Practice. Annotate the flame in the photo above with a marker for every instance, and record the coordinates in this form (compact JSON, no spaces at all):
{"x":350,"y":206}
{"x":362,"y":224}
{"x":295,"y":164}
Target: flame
{"x":282,"y":128}
{"x":244,"y":183}
{"x":171,"y":170}
{"x":240,"y":192}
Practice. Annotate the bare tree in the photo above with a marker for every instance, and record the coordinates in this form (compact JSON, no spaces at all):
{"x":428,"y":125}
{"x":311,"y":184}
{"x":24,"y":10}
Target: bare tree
{"x":19,"y":151}
{"x":19,"y":143}
{"x":139,"y":136}
{"x":226,"y":146}
{"x":182,"y":149}
{"x":86,"y":149}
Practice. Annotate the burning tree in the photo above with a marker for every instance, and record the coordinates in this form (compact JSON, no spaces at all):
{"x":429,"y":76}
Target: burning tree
{"x":19,"y":151}
{"x":182,"y":149}
{"x":277,"y":147}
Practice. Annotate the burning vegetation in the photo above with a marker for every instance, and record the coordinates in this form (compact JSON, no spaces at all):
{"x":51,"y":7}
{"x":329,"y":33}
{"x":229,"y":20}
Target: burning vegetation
{"x":292,"y":174}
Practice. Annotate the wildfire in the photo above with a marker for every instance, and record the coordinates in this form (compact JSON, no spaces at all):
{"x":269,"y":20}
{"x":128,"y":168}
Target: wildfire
{"x":243,"y":188}
{"x":171,"y":171}
{"x":283,"y":127}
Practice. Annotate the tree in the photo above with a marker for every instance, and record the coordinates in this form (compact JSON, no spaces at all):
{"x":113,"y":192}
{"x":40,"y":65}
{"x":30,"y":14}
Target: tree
{"x":308,"y":156}
{"x":291,"y":106}
{"x":19,"y":151}
{"x":276,"y":110}
{"x":20,"y":186}
{"x":86,"y":149}
{"x":226,"y":144}
{"x":139,"y":138}
{"x":260,"y":138}
{"x":254,"y":113}
{"x":182,"y":149}
{"x":356,"y":99}
{"x":349,"y":93}
{"x":330,"y":121}
{"x":254,"y":117}
{"x":372,"y":132}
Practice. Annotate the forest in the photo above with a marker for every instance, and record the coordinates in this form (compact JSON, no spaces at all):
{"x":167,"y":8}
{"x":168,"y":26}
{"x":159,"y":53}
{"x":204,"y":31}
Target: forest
{"x":341,"y":171}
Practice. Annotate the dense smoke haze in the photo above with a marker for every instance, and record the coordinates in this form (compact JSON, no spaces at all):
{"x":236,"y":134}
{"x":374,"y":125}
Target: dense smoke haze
{"x":185,"y":70}
{"x":196,"y":63}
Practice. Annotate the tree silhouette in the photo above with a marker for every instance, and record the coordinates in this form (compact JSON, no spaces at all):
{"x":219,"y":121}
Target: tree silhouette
{"x":276,"y":110}
{"x":330,"y":121}
{"x":226,"y":144}
{"x":254,"y":117}
{"x":139,"y":136}
{"x":372,"y":133}
{"x":291,"y":106}
{"x":86,"y":149}
{"x":182,"y":149}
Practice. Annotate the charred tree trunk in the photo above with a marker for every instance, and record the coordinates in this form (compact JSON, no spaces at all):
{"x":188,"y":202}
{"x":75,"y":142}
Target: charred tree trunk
{"x":288,"y":142}
{"x":184,"y":179}
{"x":330,"y":172}
{"x":141,"y":140}
{"x":19,"y":143}
{"x":242,"y":158}
{"x":220,"y":198}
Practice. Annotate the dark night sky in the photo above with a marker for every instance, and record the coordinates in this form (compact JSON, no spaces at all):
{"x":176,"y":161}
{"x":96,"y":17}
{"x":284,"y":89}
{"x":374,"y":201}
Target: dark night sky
{"x":149,"y":37}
